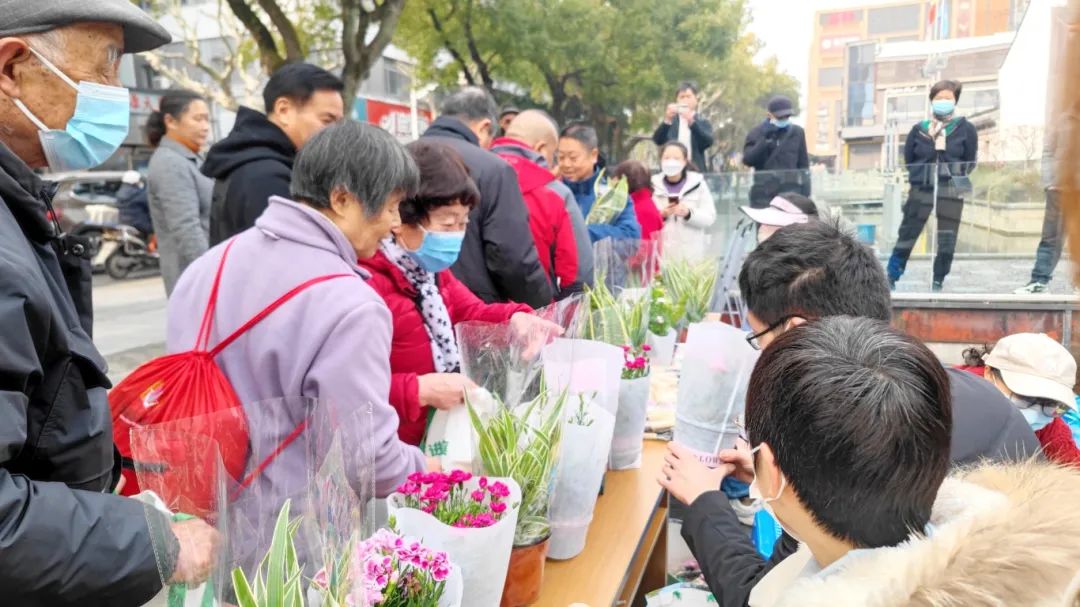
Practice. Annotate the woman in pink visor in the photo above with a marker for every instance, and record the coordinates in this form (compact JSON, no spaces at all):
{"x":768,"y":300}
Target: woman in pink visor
{"x":784,"y":210}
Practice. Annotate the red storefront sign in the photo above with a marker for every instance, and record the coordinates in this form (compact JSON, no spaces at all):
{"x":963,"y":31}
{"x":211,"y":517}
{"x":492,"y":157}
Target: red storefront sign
{"x":396,"y":118}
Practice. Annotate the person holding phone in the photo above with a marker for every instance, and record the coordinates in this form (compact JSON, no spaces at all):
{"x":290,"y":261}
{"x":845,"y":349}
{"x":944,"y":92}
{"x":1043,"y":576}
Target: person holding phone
{"x":683,"y":124}
{"x":680,"y":192}
{"x":776,"y":150}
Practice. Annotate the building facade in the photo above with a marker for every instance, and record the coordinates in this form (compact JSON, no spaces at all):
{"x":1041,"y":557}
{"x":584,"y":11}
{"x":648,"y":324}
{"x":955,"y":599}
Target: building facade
{"x":843,"y":53}
{"x":894,"y":92}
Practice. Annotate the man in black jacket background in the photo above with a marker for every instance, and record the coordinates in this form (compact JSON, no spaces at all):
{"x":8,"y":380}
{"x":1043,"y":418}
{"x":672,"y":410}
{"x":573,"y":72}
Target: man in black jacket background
{"x":682,"y":123}
{"x":805,"y":272}
{"x":255,"y":161}
{"x":776,"y":150}
{"x":64,"y":538}
{"x":498,"y":260}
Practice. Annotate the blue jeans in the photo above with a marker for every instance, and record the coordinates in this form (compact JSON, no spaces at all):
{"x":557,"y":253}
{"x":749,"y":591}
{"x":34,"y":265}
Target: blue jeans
{"x":1053,"y":240}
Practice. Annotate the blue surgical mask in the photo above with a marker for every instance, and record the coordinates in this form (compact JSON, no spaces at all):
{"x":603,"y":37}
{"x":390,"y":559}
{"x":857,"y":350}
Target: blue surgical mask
{"x":1036,"y":418}
{"x":439,"y":250}
{"x":755,"y":494}
{"x":94,"y":132}
{"x":944,"y":107}
{"x":781,"y":124}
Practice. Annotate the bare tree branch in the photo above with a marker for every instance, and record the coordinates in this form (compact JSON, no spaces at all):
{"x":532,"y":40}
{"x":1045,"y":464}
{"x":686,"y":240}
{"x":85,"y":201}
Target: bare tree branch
{"x":458,"y":58}
{"x":294,"y":51}
{"x":269,"y":55}
{"x":360,"y":54}
{"x":474,"y":51}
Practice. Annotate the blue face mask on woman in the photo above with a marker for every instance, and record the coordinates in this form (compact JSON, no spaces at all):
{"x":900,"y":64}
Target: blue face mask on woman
{"x":94,"y":132}
{"x":1035,"y":414}
{"x":439,"y":250}
{"x":944,"y":107}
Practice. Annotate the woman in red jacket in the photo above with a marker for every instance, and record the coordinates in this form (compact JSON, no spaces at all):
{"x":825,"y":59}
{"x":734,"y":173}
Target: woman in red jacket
{"x":1037,"y":373}
{"x":411,"y":273}
{"x":641,"y":193}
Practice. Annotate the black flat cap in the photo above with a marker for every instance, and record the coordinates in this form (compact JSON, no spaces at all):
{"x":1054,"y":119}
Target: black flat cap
{"x":141,"y":33}
{"x":781,"y":106}
{"x":508,"y":109}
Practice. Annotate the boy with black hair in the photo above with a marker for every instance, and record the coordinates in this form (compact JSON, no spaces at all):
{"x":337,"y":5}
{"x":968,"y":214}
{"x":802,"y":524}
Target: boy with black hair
{"x":802,"y":273}
{"x":849,"y":422}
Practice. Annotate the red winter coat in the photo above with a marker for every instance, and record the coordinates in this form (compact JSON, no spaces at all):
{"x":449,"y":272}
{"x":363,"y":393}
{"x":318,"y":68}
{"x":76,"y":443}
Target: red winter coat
{"x":548,"y":219}
{"x":410,"y":349}
{"x":1058,"y":443}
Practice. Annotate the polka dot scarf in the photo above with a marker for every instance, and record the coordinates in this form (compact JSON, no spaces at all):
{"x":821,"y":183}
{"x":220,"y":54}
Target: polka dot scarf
{"x":429,"y":301}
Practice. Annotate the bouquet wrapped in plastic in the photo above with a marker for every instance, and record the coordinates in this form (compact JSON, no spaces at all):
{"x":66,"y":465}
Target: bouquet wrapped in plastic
{"x":712,"y":389}
{"x":505,"y":359}
{"x":589,"y":373}
{"x":471,"y":519}
{"x":318,"y":457}
{"x":612,"y":196}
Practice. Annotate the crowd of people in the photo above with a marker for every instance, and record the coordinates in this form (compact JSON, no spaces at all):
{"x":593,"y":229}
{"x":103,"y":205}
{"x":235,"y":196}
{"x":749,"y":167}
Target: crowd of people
{"x":335,"y":262}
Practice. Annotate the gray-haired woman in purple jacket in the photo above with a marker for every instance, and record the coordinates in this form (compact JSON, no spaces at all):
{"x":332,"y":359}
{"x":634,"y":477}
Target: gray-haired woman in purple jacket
{"x":331,"y":342}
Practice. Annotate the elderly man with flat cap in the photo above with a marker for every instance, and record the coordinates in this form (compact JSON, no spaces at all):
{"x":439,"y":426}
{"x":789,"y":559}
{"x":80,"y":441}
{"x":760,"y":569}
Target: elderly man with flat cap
{"x":776,"y":150}
{"x":64,"y":538}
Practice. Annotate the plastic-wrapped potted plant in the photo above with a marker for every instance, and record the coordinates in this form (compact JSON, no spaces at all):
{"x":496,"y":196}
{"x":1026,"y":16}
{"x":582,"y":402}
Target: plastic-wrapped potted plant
{"x":664,"y":314}
{"x":523,"y":444}
{"x":590,"y":372}
{"x":471,"y":518}
{"x":625,"y":322}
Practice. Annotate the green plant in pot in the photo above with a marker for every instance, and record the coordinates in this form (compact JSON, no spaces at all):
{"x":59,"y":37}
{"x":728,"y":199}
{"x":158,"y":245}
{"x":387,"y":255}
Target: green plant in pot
{"x":523,"y":444}
{"x":693,"y":285}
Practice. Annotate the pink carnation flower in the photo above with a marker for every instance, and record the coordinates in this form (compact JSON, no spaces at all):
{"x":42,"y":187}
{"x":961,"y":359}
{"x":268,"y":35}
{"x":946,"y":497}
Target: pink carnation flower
{"x":459,"y":476}
{"x":499,"y":489}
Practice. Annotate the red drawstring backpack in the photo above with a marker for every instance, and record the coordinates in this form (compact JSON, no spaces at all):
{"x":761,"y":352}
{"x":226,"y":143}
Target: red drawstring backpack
{"x":189,"y":386}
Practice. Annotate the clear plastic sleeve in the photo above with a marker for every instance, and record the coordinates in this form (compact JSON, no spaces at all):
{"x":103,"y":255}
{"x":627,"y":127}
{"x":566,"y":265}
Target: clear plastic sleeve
{"x":625,"y":264}
{"x":179,"y":468}
{"x":318,"y":457}
{"x":589,"y":372}
{"x":717,"y":363}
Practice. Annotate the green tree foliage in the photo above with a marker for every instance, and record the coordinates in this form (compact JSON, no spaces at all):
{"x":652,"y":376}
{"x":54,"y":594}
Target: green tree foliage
{"x":614,"y":63}
{"x":347,"y":36}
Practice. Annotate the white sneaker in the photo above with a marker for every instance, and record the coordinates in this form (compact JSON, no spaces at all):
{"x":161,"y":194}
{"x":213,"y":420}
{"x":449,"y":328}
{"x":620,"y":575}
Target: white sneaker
{"x":1032,"y":288}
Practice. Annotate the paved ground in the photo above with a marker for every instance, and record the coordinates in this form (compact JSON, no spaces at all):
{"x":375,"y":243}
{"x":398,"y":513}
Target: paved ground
{"x":982,"y":276}
{"x":129,"y":322}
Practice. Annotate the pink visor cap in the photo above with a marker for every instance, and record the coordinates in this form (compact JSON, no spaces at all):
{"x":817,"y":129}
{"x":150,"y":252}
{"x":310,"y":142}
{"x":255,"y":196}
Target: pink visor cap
{"x":779,"y":213}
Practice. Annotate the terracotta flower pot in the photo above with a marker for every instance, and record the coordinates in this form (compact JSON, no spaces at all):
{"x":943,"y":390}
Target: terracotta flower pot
{"x":525,"y":576}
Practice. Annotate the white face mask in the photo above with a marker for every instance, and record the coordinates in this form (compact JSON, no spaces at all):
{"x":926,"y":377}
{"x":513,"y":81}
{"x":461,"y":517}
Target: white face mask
{"x":755,"y":494}
{"x":672,"y":167}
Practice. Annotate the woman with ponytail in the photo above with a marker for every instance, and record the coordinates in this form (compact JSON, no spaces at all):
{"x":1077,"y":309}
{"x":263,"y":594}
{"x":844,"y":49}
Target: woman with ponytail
{"x":179,"y":194}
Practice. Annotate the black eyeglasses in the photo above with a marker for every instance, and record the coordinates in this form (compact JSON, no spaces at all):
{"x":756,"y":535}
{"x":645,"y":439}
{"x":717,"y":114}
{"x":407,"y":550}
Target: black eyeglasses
{"x":1050,"y":408}
{"x":753,"y":339}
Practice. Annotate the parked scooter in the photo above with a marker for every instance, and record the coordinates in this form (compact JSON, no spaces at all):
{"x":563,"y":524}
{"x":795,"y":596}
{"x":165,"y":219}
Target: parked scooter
{"x":134,"y":252}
